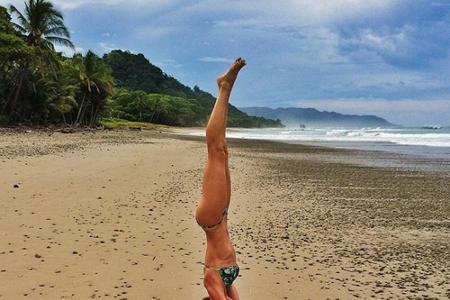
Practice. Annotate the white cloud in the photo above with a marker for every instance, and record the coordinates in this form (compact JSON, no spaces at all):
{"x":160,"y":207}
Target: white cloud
{"x":386,"y":42}
{"x":74,"y":4}
{"x":167,"y":63}
{"x":108,"y":47}
{"x":209,"y":59}
{"x":393,"y":42}
{"x":324,"y":10}
{"x":440,"y":4}
{"x":67,"y":51}
{"x":17,"y":3}
{"x":393,"y":78}
{"x":153,"y":32}
{"x":298,"y":11}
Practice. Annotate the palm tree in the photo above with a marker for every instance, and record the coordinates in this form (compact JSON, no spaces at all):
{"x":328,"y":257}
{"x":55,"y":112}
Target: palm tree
{"x":141,"y":103}
{"x":96,"y":82}
{"x":41,"y":24}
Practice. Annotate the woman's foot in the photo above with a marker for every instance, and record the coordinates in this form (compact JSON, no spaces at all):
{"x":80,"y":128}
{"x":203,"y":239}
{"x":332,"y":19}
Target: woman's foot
{"x":227,"y":80}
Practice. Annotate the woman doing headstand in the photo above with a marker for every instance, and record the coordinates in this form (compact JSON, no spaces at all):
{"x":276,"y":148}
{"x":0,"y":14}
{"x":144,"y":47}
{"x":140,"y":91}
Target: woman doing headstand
{"x":220,"y":268}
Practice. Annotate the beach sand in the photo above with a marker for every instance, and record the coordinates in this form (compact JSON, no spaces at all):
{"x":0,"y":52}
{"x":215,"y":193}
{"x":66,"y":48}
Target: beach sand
{"x":109,"y":215}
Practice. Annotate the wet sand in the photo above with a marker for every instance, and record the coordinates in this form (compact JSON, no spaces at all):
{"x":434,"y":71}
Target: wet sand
{"x":109,"y":215}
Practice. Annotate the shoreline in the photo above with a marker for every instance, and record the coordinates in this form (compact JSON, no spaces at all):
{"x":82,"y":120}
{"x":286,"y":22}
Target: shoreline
{"x":363,"y":157}
{"x":110,"y":215}
{"x":394,"y":158}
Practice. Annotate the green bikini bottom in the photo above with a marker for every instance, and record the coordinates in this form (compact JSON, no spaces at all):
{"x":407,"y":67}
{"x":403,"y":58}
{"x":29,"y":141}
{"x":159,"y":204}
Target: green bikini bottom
{"x":228,"y":274}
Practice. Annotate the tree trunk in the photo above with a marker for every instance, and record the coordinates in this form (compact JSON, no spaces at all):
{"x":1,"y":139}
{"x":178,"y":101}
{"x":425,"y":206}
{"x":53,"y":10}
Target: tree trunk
{"x":91,"y":118}
{"x":94,"y":120}
{"x":81,"y":117}
{"x":2,"y":66}
{"x":5,"y":105}
{"x":21,"y":77}
{"x":77,"y":120}
{"x":83,"y":113}
{"x":16,"y":96}
{"x":157,"y":115}
{"x":151,"y":117}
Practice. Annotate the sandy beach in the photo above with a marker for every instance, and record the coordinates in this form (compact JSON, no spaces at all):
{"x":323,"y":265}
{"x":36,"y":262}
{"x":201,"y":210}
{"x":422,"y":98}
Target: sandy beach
{"x":109,"y":215}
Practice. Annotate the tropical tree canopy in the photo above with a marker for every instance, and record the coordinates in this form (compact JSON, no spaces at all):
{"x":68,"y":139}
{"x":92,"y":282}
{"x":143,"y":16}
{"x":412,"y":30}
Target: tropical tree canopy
{"x":93,"y":76}
{"x":12,"y":46}
{"x":41,"y":24}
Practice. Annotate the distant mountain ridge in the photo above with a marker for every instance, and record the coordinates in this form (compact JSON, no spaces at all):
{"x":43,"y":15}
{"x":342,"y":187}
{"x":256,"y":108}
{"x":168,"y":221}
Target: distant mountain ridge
{"x":295,"y":116}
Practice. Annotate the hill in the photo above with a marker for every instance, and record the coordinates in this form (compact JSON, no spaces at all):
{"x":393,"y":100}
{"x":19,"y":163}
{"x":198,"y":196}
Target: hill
{"x":294,"y":116}
{"x":134,"y":72}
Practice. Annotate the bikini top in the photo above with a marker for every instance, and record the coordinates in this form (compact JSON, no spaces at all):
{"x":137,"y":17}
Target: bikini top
{"x":225,"y":212}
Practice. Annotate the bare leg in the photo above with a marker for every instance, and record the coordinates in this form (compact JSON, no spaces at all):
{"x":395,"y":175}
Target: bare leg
{"x":216,"y":180}
{"x":232,"y":293}
{"x":213,"y":285}
{"x":228,"y":177}
{"x":226,"y":82}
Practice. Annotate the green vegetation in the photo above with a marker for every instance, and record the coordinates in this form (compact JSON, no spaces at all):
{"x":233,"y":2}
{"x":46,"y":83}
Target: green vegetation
{"x":40,"y":86}
{"x":94,"y":84}
{"x":156,"y":108}
{"x":111,"y":123}
{"x":148,"y":94}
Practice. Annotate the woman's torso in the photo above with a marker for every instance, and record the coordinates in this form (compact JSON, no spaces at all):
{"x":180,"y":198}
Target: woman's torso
{"x":219,"y":249}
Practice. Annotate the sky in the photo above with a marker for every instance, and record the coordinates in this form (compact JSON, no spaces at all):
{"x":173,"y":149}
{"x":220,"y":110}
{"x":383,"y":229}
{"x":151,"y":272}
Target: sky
{"x":390,"y":58}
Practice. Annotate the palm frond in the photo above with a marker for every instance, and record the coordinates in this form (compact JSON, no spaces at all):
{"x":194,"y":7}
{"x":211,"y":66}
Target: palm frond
{"x":14,"y":11}
{"x":53,"y":11}
{"x":58,"y":30}
{"x":45,"y":44}
{"x":41,"y":21}
{"x":20,"y":29}
{"x":60,"y":40}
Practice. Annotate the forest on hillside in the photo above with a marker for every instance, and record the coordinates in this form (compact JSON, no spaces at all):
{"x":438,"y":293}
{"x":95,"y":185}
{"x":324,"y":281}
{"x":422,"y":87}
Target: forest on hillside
{"x":39,"y":85}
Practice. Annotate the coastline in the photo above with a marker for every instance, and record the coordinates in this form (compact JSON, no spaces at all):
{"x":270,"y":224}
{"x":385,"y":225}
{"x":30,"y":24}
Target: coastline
{"x":109,"y":215}
{"x":364,"y":156}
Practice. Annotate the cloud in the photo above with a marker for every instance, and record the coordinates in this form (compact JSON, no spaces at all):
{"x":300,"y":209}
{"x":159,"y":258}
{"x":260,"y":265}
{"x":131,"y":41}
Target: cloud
{"x":209,"y":59}
{"x":167,"y":63}
{"x":74,"y":4}
{"x":108,"y":47}
{"x":296,"y":11}
{"x":336,"y":10}
{"x":156,"y":31}
{"x":440,"y":4}
{"x":388,"y":42}
{"x":406,"y":46}
{"x":67,"y":51}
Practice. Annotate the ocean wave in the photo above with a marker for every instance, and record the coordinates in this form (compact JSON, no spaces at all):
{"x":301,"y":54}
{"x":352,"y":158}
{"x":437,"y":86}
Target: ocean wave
{"x":400,"y":136}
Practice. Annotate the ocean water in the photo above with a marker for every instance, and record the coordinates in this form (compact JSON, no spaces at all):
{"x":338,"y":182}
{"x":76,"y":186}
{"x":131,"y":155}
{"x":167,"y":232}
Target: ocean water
{"x":430,"y":142}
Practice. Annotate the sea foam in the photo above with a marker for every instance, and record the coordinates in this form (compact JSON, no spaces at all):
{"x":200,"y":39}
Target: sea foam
{"x":439,"y":137}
